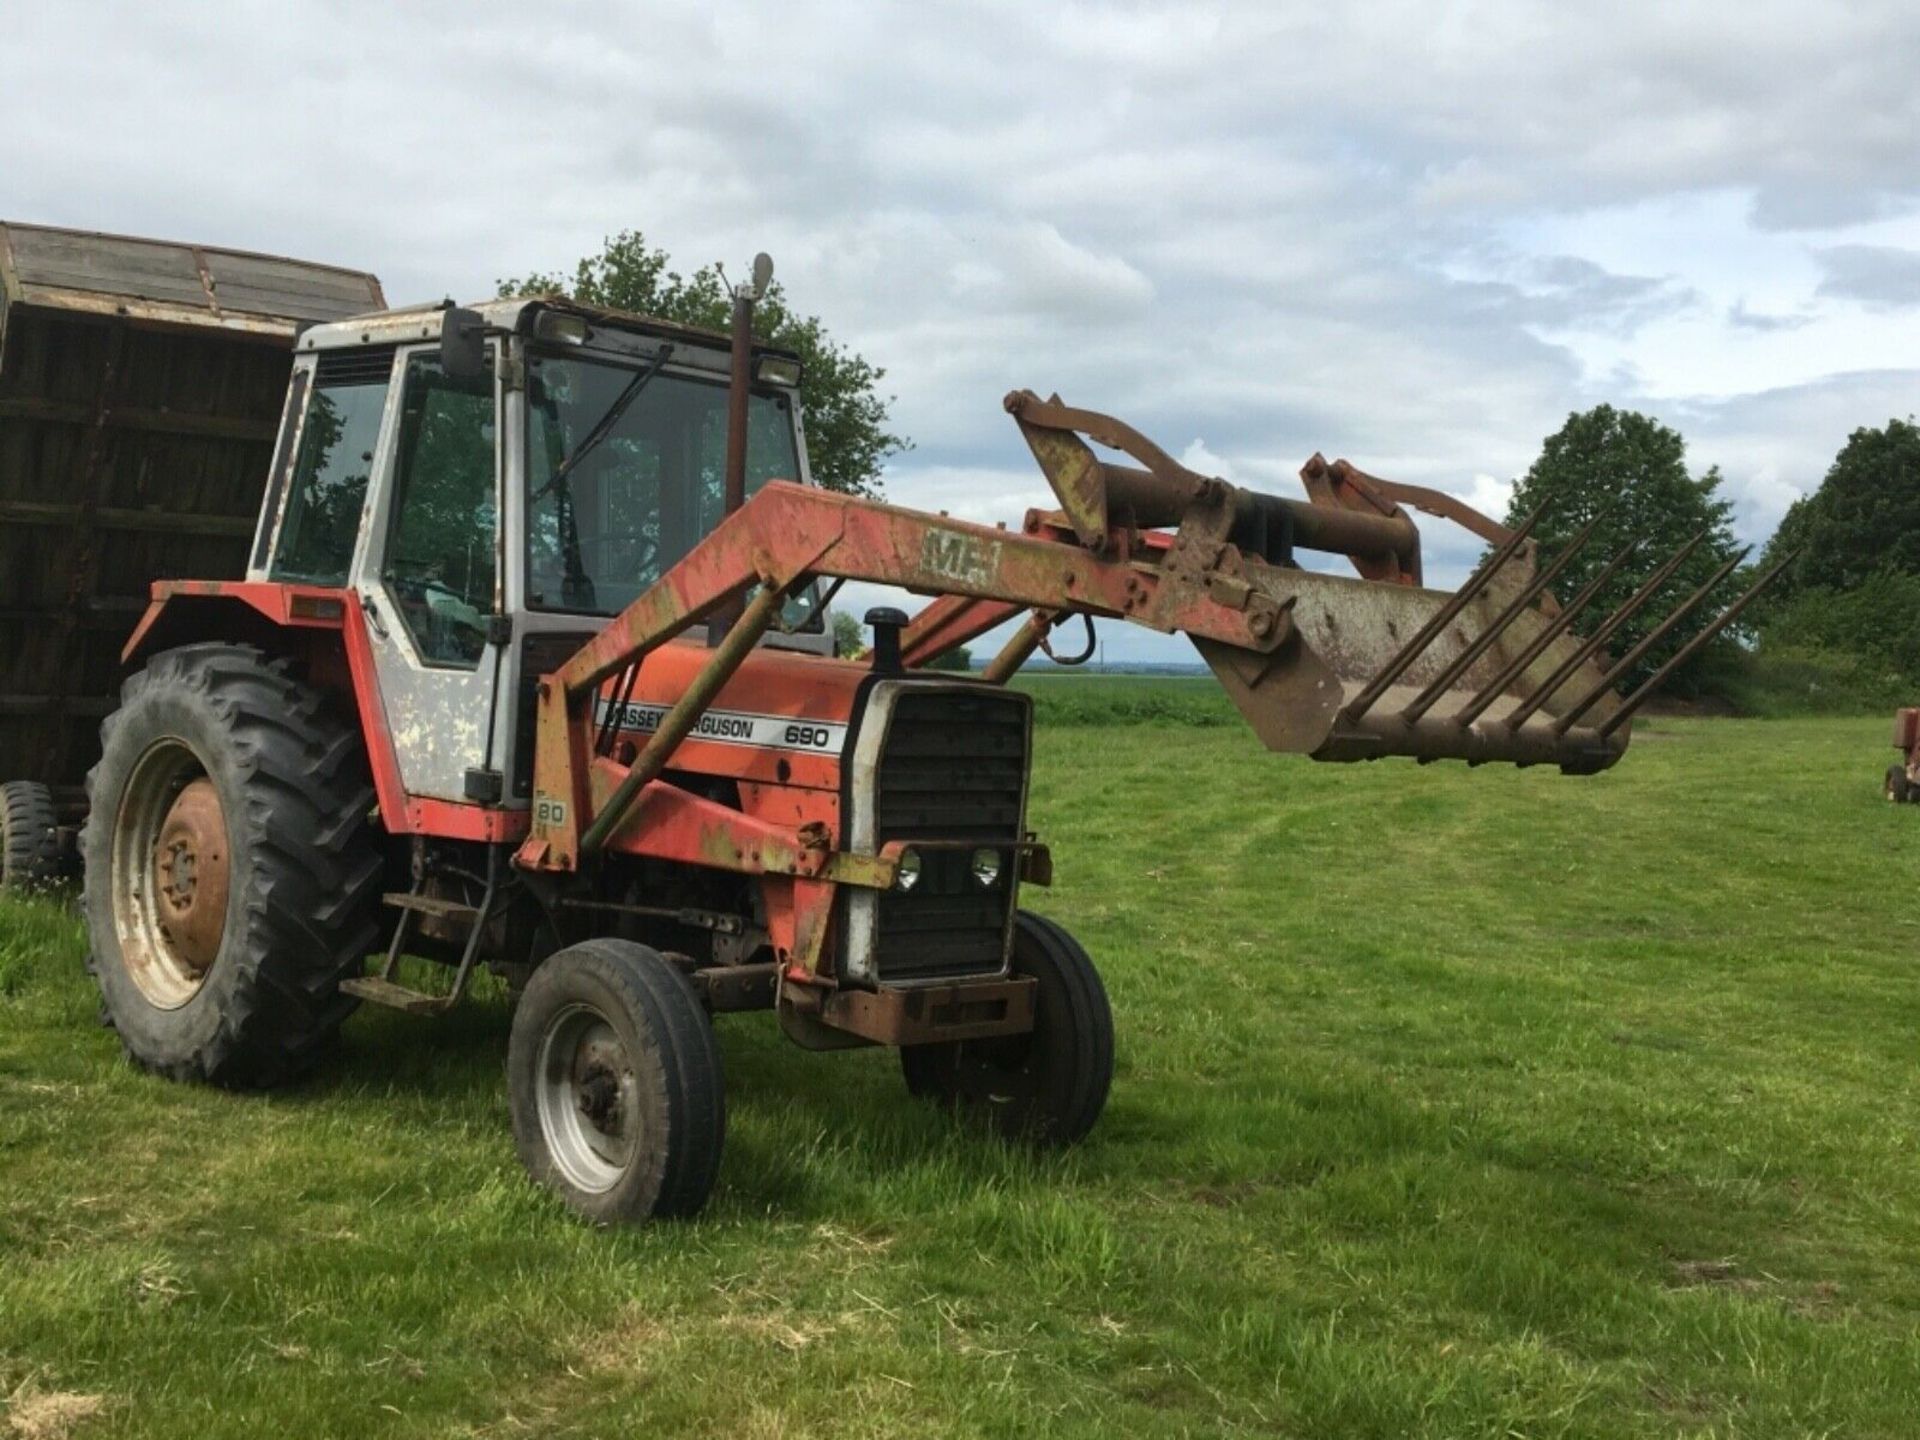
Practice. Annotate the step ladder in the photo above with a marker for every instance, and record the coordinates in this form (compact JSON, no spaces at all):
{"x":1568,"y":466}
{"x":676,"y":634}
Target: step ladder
{"x":384,"y":989}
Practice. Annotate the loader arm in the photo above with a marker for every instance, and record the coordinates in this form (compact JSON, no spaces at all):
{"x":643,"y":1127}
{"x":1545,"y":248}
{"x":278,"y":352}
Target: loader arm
{"x":1334,"y":667}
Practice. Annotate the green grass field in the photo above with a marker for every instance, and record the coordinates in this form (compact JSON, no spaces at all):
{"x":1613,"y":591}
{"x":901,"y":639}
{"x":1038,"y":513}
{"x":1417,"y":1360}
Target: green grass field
{"x":1449,"y":1103}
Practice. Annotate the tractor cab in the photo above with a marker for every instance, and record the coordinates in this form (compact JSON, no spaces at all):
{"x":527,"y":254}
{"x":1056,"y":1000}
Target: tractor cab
{"x":492,"y":485}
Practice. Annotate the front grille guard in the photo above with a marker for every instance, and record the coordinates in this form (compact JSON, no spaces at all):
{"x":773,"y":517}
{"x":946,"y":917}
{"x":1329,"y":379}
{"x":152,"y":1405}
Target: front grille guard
{"x":859,"y":932}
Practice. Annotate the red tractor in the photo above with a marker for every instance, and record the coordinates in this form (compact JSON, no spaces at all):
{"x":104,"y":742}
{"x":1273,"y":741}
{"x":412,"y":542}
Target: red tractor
{"x":1903,"y":780}
{"x":529,"y":669}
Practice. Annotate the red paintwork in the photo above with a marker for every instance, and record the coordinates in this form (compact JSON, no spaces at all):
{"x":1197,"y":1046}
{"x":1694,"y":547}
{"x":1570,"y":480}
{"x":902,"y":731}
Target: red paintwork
{"x":948,"y":621}
{"x":271,"y":599}
{"x":769,"y":682}
{"x":293,"y":607}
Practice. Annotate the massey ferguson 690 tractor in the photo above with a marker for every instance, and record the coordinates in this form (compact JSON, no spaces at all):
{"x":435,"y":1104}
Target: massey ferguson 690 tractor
{"x":528,"y":669}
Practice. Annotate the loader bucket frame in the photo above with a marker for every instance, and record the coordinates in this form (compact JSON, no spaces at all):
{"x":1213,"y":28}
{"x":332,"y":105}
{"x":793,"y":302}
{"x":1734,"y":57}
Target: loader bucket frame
{"x":1334,"y":667}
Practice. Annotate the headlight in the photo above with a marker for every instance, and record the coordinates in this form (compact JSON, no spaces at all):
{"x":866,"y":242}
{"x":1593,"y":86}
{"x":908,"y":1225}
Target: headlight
{"x":986,"y":868}
{"x":906,"y":873}
{"x":557,"y":327}
{"x":778,"y":370}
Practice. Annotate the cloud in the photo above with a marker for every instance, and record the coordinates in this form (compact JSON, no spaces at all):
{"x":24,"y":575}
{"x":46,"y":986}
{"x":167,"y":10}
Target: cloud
{"x":1739,"y":316}
{"x":1400,"y":232}
{"x":1880,"y":277}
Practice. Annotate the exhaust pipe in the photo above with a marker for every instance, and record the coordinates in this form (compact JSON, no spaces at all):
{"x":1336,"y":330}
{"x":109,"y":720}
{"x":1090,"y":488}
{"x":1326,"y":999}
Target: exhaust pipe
{"x":740,"y":383}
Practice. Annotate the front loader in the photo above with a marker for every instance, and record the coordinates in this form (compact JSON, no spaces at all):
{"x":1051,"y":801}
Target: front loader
{"x":529,"y":670}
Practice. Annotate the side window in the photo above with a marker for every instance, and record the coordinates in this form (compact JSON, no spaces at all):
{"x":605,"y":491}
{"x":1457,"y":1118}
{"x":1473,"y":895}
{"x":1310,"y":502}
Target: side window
{"x":441,"y":544}
{"x":330,"y":476}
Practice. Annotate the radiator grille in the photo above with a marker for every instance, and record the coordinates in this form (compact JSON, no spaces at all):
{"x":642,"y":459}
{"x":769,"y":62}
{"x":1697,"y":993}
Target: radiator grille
{"x":954,"y":768}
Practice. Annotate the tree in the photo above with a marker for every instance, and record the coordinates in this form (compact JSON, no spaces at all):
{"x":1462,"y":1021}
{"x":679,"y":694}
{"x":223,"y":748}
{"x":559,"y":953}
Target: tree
{"x":1862,"y":521}
{"x":958,"y":658}
{"x":1631,"y":471}
{"x":849,"y":635}
{"x":846,"y":416}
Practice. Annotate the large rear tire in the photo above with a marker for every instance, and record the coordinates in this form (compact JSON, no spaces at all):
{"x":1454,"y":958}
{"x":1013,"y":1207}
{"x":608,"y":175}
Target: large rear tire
{"x":613,"y":1076}
{"x":231,"y":876}
{"x":29,"y":838}
{"x":1050,"y":1085}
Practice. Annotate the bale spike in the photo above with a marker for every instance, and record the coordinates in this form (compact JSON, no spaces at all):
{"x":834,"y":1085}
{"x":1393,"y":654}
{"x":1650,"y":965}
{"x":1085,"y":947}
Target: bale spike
{"x":1497,"y":687}
{"x":1443,"y":617}
{"x":1647,"y":642}
{"x":1462,"y":662}
{"x":1591,"y":645}
{"x":1686,"y":652}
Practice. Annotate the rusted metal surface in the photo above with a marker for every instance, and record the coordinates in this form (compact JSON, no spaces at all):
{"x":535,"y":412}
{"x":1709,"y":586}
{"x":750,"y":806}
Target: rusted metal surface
{"x":680,"y":720}
{"x":191,"y":873}
{"x":1164,"y":493}
{"x":1335,"y":668}
{"x":1071,"y":468}
{"x":169,"y":867}
{"x":949,"y":621}
{"x":1019,"y":648}
{"x":1604,"y":685}
{"x":1389,"y":494}
{"x":1442,"y":617}
{"x":1481,"y":643}
{"x":1534,"y":648}
{"x":729,"y":988}
{"x":739,"y":391}
{"x":1592,"y":645}
{"x":971,"y":1010}
{"x":1651,"y":685}
{"x":165,"y":282}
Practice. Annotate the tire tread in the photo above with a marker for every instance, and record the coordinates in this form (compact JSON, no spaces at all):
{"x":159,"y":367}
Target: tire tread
{"x":314,"y":883}
{"x":29,"y":842}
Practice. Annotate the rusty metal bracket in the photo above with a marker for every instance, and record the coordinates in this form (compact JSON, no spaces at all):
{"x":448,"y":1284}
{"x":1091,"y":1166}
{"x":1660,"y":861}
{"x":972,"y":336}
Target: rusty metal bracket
{"x":923,"y":1015}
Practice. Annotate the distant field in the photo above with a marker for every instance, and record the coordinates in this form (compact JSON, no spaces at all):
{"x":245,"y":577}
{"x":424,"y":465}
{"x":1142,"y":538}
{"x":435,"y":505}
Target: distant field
{"x":1449,"y":1103}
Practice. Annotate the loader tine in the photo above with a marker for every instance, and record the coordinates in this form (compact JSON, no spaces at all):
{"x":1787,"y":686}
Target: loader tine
{"x":1647,"y":642}
{"x":1720,"y":622}
{"x":1648,"y":588}
{"x":1462,"y":662}
{"x":1442,"y":618}
{"x":1549,"y":632}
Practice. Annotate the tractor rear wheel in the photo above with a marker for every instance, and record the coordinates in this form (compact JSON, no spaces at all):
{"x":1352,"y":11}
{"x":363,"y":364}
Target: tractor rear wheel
{"x":1048,"y":1085}
{"x":29,"y":839}
{"x":613,"y":1076}
{"x":231,"y":875}
{"x":1898,"y":788}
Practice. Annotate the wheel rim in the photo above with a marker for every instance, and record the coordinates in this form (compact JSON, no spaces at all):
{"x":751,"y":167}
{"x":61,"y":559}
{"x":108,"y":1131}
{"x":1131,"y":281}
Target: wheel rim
{"x":172,"y":869}
{"x":588,"y":1099}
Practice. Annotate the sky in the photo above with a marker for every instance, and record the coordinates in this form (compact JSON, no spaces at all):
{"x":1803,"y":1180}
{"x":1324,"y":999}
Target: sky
{"x":1413,"y":235}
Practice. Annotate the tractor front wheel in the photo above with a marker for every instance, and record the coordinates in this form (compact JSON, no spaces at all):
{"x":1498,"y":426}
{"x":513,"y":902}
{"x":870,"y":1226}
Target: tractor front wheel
{"x":613,"y":1076}
{"x":1050,"y":1084}
{"x":231,"y":873}
{"x":29,"y":839}
{"x":1898,"y":789}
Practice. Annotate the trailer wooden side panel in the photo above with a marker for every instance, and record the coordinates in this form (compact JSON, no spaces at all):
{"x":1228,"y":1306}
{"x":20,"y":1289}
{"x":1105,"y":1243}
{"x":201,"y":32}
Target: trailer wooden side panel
{"x":141,"y":386}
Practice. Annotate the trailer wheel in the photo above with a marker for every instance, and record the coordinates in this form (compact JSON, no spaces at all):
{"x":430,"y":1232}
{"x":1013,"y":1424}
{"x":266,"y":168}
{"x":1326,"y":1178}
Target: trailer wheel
{"x":231,"y":876}
{"x":1049,"y":1085}
{"x":613,"y":1076}
{"x":29,"y":838}
{"x":1897,"y":789}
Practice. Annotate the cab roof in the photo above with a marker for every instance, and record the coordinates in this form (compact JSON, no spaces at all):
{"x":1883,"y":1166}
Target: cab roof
{"x":514,"y":314}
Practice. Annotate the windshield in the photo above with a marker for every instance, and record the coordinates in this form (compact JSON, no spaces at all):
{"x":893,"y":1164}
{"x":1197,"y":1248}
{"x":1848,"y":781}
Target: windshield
{"x":606,"y":518}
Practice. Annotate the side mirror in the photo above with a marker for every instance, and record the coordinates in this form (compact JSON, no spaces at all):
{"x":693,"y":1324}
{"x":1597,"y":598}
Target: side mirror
{"x":463,"y":345}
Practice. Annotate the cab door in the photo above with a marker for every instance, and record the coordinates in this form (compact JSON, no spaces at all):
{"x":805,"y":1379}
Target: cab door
{"x":429,"y":578}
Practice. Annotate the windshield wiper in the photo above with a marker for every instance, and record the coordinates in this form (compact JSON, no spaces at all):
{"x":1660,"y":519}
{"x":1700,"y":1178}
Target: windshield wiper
{"x":603,"y":427}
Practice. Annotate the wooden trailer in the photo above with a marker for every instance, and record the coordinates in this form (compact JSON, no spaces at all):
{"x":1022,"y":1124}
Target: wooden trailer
{"x":141,"y":387}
